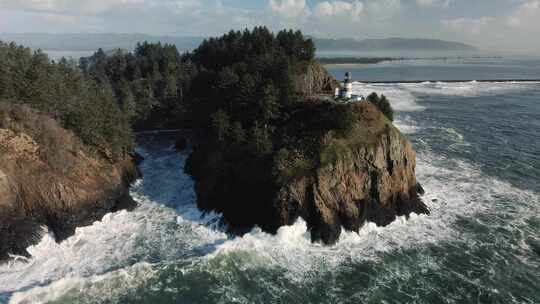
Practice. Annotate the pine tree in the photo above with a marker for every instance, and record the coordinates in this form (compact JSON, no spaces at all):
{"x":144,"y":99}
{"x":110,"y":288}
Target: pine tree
{"x":261,"y":140}
{"x":238,"y":133}
{"x":373,"y":98}
{"x":269,"y":106}
{"x":382,"y":104}
{"x":6,"y":85}
{"x":221,"y":124}
{"x":37,"y":87}
{"x":386,"y":108}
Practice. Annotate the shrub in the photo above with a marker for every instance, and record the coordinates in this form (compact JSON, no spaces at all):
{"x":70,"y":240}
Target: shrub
{"x":344,"y":120}
{"x":382,"y":104}
{"x":290,"y":165}
{"x":332,"y":153}
{"x":57,"y":145}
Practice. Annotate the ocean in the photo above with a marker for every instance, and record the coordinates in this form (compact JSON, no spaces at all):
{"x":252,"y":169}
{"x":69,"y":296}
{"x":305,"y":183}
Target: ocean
{"x":478,"y":146}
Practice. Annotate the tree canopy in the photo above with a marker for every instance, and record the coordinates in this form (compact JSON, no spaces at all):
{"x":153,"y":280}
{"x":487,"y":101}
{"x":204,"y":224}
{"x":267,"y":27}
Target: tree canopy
{"x":62,"y":91}
{"x":382,"y":104}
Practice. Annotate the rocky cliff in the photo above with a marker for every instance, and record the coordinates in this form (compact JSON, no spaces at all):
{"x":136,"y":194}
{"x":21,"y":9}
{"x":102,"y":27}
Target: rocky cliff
{"x":49,"y":179}
{"x":366,"y":176}
{"x":315,"y":80}
{"x":333,"y":177}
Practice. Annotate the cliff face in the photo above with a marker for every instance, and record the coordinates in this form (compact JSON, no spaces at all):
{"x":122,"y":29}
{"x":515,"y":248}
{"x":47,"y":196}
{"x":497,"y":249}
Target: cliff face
{"x":47,"y":178}
{"x":367,"y":176}
{"x":340,"y":181}
{"x":315,"y":80}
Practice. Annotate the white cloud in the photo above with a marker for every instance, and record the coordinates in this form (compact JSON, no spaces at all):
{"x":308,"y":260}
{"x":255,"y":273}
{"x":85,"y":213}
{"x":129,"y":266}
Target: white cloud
{"x":516,"y":30}
{"x":289,"y":8}
{"x":332,"y":14}
{"x":350,"y":10}
{"x":527,"y":16}
{"x":326,"y":18}
{"x":382,"y":9}
{"x":74,"y":6}
{"x":188,"y":17}
{"x":430,"y":3}
{"x":474,"y":26}
{"x":365,"y":12}
{"x":204,"y":17}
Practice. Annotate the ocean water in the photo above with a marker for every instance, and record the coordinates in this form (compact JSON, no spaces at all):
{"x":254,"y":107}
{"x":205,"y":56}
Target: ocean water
{"x":478,"y":146}
{"x":450,"y":69}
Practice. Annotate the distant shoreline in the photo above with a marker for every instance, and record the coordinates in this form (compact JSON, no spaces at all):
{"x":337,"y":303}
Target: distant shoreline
{"x":376,"y":60}
{"x":454,"y":81}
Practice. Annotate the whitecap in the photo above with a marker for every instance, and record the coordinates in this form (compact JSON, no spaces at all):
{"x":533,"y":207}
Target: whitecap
{"x":104,"y":288}
{"x":400,"y":99}
{"x":168,"y":225}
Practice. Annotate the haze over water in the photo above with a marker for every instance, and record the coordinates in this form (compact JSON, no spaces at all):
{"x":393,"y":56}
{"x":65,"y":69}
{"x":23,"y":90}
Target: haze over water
{"x":478,"y":146}
{"x":451,"y":69}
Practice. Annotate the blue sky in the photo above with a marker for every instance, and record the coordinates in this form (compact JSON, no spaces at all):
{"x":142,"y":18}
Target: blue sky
{"x":489,"y":24}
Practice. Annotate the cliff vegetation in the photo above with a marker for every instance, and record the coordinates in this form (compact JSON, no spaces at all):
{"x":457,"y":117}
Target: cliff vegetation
{"x":278,"y":150}
{"x":274,"y":146}
{"x":49,"y":178}
{"x":65,"y":148}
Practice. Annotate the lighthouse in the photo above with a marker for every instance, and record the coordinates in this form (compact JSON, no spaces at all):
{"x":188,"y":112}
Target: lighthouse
{"x":345,"y":92}
{"x":347,"y":86}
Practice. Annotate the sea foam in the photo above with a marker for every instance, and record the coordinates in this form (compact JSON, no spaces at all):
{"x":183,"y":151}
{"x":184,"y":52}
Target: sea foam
{"x":127,"y":250}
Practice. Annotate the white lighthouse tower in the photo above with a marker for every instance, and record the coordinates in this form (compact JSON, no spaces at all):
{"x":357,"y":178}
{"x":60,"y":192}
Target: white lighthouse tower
{"x":346,"y":91}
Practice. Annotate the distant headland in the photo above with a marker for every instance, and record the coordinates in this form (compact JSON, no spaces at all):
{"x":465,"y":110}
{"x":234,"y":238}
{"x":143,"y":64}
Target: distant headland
{"x":405,"y":44}
{"x":108,"y":41}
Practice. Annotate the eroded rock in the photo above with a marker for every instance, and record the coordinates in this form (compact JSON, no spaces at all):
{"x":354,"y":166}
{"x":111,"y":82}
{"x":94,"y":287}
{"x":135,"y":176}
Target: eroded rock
{"x":367,"y":175}
{"x":60,"y":186}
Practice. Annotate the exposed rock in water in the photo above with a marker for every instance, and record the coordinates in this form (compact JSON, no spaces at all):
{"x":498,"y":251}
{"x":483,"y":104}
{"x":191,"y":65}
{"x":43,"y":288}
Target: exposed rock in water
{"x":48,"y":178}
{"x":366,"y":175}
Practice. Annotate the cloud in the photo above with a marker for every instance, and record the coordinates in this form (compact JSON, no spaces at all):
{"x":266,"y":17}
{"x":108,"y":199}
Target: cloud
{"x":527,"y":16}
{"x":473,"y":26}
{"x":325,"y":18}
{"x":515,"y":29}
{"x":342,"y":9}
{"x":366,"y":11}
{"x":331,"y":18}
{"x":203,"y":17}
{"x":289,"y":8}
{"x":82,"y":7}
{"x":187,"y":17}
{"x":431,"y":3}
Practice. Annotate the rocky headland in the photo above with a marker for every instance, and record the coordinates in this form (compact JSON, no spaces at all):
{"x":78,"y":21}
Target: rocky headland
{"x":48,"y":178}
{"x":368,"y":175}
{"x":330,"y":175}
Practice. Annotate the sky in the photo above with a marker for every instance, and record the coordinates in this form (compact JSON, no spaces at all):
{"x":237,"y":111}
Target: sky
{"x":487,"y":24}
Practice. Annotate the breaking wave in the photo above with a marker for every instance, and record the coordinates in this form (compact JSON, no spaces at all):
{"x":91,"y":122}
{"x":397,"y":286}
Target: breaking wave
{"x":404,"y":95}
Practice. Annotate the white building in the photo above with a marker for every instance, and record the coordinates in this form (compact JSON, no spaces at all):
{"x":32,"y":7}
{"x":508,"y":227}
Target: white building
{"x":346,"y":90}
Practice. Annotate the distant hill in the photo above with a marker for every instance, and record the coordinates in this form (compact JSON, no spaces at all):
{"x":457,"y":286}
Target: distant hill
{"x":348,"y":44}
{"x":109,"y":41}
